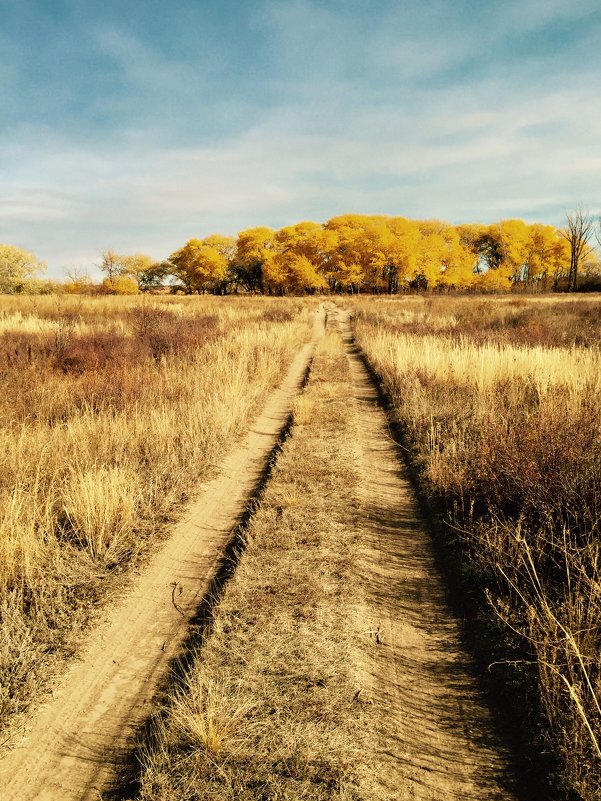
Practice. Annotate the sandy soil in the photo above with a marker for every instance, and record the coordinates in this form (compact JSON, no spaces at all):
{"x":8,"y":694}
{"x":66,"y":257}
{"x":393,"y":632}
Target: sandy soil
{"x":76,"y":744}
{"x":434,"y":737}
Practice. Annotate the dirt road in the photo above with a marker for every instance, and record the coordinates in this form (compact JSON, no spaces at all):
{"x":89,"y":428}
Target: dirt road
{"x":434,"y":735}
{"x":76,"y":744}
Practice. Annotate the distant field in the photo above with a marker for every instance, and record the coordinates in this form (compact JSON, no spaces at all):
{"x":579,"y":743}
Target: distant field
{"x":500,"y":404}
{"x":111,"y":412}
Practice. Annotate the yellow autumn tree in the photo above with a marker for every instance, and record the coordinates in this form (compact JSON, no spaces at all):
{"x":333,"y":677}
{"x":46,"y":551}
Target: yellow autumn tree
{"x":502,"y":249}
{"x":373,"y":253}
{"x":301,"y":274}
{"x":430,"y":254}
{"x":135,"y":266}
{"x":302,"y":257}
{"x":458,"y":261}
{"x":201,"y":265}
{"x":120,"y":285}
{"x":358,"y":261}
{"x":254,"y":266}
{"x":303,"y":238}
{"x":17,"y":268}
{"x":347,"y":262}
{"x":548,"y":251}
{"x":400,"y":253}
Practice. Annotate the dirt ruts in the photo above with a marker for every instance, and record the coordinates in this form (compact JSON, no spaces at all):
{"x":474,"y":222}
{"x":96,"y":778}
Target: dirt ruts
{"x":77,"y":742}
{"x":431,"y":735}
{"x":434,"y":738}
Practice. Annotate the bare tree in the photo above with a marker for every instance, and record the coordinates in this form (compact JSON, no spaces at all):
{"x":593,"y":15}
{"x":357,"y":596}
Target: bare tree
{"x":578,"y":229}
{"x":111,"y":264}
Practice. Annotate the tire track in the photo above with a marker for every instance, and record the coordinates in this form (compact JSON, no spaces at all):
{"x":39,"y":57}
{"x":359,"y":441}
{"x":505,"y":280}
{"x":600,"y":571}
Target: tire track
{"x":434,"y":736}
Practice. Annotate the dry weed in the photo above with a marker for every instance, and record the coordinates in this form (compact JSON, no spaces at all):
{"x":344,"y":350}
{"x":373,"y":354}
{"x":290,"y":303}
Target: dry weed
{"x":211,"y":716}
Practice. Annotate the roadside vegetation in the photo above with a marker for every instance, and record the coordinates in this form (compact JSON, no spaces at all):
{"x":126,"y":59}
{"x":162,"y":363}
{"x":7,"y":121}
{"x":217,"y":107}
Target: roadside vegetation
{"x":499,"y":402}
{"x":268,"y":709}
{"x":112,"y":411}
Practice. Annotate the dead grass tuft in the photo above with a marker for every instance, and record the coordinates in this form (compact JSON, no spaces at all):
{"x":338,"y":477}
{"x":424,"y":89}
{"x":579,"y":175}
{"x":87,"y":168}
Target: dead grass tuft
{"x":100,"y":511}
{"x":211,"y":716}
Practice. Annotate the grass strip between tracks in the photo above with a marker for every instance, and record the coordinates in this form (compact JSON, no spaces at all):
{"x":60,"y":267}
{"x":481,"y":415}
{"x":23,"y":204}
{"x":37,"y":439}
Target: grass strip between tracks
{"x":268,"y":710}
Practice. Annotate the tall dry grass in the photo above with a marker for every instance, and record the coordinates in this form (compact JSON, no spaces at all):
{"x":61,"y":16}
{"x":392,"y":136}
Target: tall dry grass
{"x":500,"y":403}
{"x":111,"y":412}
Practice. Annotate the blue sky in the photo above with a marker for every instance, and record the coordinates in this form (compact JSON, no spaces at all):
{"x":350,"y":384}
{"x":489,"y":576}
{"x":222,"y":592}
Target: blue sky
{"x":137,"y":124}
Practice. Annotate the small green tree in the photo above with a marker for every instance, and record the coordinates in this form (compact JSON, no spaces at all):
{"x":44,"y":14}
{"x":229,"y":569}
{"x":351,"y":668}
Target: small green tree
{"x":155,"y":275}
{"x":17,"y":267}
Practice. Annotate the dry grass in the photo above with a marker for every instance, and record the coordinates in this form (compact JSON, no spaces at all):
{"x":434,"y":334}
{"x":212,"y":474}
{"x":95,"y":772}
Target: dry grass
{"x":209,"y":717}
{"x":548,"y":320}
{"x":112,"y":411}
{"x":501,"y":408}
{"x":268,"y":711}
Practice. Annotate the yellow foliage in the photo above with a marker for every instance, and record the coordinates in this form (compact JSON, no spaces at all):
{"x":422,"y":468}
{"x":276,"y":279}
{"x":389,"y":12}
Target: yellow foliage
{"x":202,"y":264}
{"x":377,"y":253}
{"x":254,"y":244}
{"x":254,"y":258}
{"x":273,"y":272}
{"x":78,"y":287}
{"x":302,"y":274}
{"x":120,"y":285}
{"x":17,"y":266}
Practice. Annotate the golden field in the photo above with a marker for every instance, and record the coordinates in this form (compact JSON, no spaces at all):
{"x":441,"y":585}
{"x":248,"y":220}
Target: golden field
{"x":114,"y":410}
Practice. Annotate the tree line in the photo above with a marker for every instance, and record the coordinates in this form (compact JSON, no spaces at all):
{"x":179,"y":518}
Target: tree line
{"x":358,"y":253}
{"x":355,"y":253}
